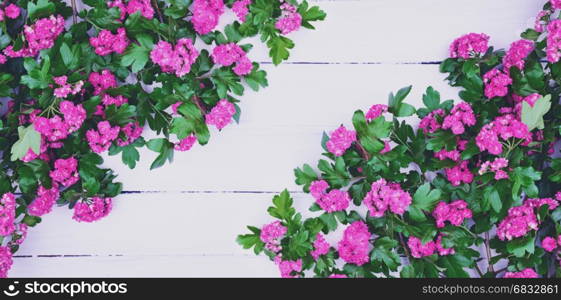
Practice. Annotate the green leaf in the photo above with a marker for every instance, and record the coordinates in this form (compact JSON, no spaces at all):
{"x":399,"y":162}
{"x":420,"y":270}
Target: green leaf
{"x":29,"y":138}
{"x":533,"y":116}
{"x":42,"y":8}
{"x":282,"y":207}
{"x":396,"y":105}
{"x":492,"y":197}
{"x":305,"y":176}
{"x":431,"y":98}
{"x":519,"y":247}
{"x":279,"y":46}
{"x":425,"y":198}
{"x":138,"y":55}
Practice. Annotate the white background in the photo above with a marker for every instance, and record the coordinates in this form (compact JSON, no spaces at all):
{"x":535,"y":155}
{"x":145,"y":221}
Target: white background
{"x":182,"y":220}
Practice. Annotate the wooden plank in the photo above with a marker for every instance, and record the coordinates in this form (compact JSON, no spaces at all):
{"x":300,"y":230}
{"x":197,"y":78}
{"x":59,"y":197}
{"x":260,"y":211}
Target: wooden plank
{"x":281,"y":128}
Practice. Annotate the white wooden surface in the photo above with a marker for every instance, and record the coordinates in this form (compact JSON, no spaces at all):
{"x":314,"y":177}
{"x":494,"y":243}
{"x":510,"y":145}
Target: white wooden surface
{"x":182,"y":220}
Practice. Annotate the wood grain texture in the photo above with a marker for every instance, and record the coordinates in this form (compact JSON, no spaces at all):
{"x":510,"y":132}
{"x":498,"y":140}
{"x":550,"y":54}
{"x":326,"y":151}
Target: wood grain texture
{"x":182,"y":219}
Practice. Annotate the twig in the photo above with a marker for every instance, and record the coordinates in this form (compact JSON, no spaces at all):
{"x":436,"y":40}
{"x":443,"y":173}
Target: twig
{"x":74,"y":12}
{"x":478,"y":270}
{"x":402,"y":241}
{"x":155,"y":4}
{"x":491,"y":269}
{"x":362,"y":151}
{"x":199,"y":104}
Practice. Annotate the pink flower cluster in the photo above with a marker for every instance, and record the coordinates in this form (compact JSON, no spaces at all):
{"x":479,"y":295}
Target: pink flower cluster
{"x":335,"y":200}
{"x":521,"y":219}
{"x":55,"y":129}
{"x":553,"y":49}
{"x":186,"y":144}
{"x":518,"y":51}
{"x":11,"y":11}
{"x":321,"y":247}
{"x":496,"y":167}
{"x":440,"y":248}
{"x":65,"y":171}
{"x":66,"y":88}
{"x":455,"y":212}
{"x":288,"y":267}
{"x":221,"y":114}
{"x":5,"y":261}
{"x":430,"y":123}
{"x":459,"y":173}
{"x":7,"y":214}
{"x":355,"y":245}
{"x":39,"y":36}
{"x":106,"y":42}
{"x":131,"y":132}
{"x":229,"y":54}
{"x":132,"y":7}
{"x":340,"y":140}
{"x":117,"y":100}
{"x":100,"y":140}
{"x":455,"y":154}
{"x":469,"y":45}
{"x":375,"y":111}
{"x":206,"y":14}
{"x":555,"y":4}
{"x":102,"y":81}
{"x":176,"y":60}
{"x":383,"y":196}
{"x":503,"y":127}
{"x":290,"y":20}
{"x":271,"y":235}
{"x":240,"y":8}
{"x":549,"y":243}
{"x":418,"y":249}
{"x":496,"y":83}
{"x":539,"y":24}
{"x":44,"y":202}
{"x":460,"y":116}
{"x":526,"y":273}
{"x":93,"y":210}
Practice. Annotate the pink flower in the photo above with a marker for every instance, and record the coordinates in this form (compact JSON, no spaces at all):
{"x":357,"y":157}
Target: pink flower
{"x":143,"y":6}
{"x":74,"y":115}
{"x":539,"y":24}
{"x":321,"y":247}
{"x":7,"y":214}
{"x":355,"y":245}
{"x":521,"y":219}
{"x":443,"y":154}
{"x":496,"y":83}
{"x":102,"y":81}
{"x":19,"y":234}
{"x":430,"y":123}
{"x":375,"y":111}
{"x":469,"y":45}
{"x":271,"y":234}
{"x":290,"y":20}
{"x":120,"y":5}
{"x":39,"y":36}
{"x":340,"y":140}
{"x":100,"y":140}
{"x":338,"y":276}
{"x":221,"y":115}
{"x":54,"y":129}
{"x":44,"y":202}
{"x":335,"y":200}
{"x":553,"y":48}
{"x":458,"y":174}
{"x":5,"y":261}
{"x":110,"y":100}
{"x":91,"y":211}
{"x":503,"y":127}
{"x":387,"y":148}
{"x":176,"y":60}
{"x":228,"y":54}
{"x":549,"y":244}
{"x":186,"y":144}
{"x":12,"y":11}
{"x":496,"y":167}
{"x":106,"y":43}
{"x":460,"y":116}
{"x":440,"y":248}
{"x":526,"y":273}
{"x":455,"y":212}
{"x":288,"y":267}
{"x":65,"y":171}
{"x":384,"y":196}
{"x":418,"y":249}
{"x":518,"y":51}
{"x":206,"y":14}
{"x":318,"y":188}
{"x":131,"y":132}
{"x":240,"y":8}
{"x":65,"y":88}
{"x":555,"y":4}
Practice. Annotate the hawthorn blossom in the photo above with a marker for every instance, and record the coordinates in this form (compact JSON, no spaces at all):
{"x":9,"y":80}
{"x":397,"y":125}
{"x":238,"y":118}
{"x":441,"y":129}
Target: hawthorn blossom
{"x":271,"y":234}
{"x":65,"y":171}
{"x":496,"y":83}
{"x":418,"y":249}
{"x":526,"y":273}
{"x":7,"y":214}
{"x":106,"y":42}
{"x":469,"y":45}
{"x":355,"y":245}
{"x":5,"y":261}
{"x":92,"y":210}
{"x":340,"y":140}
{"x":206,"y":15}
{"x":290,"y":20}
{"x":321,"y":247}
{"x":100,"y":140}
{"x":44,"y":202}
{"x":455,"y":212}
{"x":385,"y":196}
{"x":221,"y":114}
{"x":241,"y":9}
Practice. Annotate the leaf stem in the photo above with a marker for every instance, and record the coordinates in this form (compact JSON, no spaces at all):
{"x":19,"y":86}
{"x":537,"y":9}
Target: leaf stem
{"x":488,"y":249}
{"x":74,"y":12}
